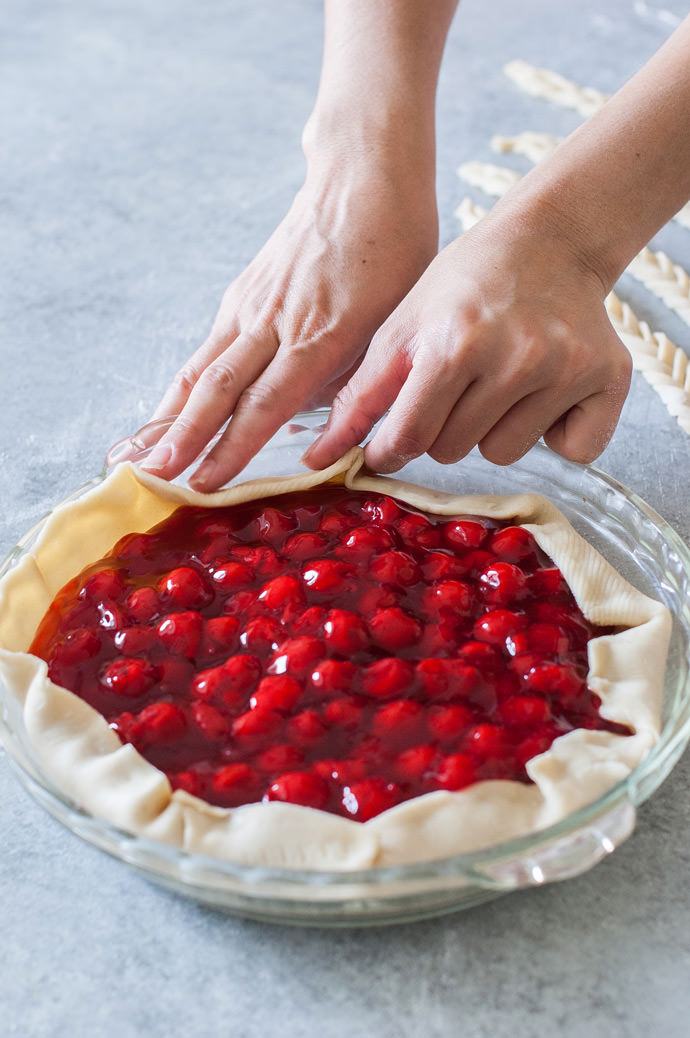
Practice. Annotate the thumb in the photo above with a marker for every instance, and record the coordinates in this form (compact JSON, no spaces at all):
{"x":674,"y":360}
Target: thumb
{"x":358,"y":406}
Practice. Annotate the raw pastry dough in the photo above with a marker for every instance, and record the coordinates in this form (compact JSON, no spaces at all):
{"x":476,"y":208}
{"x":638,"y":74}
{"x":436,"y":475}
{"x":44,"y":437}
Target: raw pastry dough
{"x":85,"y":759}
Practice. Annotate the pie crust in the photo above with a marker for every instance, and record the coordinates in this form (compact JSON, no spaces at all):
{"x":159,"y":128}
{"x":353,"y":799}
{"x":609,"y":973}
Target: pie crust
{"x":85,"y":759}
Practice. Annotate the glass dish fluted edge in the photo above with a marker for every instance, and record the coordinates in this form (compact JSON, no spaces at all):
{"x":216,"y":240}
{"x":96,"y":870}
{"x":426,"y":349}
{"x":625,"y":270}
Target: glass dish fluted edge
{"x":630,"y":534}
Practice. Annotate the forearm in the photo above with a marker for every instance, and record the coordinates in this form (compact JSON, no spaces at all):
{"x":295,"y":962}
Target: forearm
{"x":623,"y":174}
{"x":378,"y":84}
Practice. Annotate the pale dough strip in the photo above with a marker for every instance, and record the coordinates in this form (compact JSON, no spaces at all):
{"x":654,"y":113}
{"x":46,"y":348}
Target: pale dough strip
{"x":668,"y":281}
{"x":541,"y":82}
{"x":664,"y":365}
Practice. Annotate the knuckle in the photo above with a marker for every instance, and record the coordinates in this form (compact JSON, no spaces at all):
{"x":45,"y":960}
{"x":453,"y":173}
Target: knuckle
{"x":186,"y":378}
{"x":265,"y":397}
{"x":220,"y":378}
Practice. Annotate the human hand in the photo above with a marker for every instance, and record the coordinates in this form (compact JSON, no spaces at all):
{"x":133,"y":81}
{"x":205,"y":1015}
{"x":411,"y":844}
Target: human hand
{"x":504,"y":339}
{"x":292,"y":327}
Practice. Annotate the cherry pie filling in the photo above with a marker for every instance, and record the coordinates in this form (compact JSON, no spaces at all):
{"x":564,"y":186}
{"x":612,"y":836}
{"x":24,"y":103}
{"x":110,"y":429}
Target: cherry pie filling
{"x":330,"y":648}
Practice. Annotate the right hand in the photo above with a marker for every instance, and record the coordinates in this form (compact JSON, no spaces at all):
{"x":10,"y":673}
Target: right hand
{"x":294,"y":325}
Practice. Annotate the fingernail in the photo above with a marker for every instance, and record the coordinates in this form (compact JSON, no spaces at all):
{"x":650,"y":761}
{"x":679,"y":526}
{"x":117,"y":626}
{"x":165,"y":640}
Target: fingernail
{"x":304,"y":460}
{"x":203,"y":474}
{"x":160,"y":456}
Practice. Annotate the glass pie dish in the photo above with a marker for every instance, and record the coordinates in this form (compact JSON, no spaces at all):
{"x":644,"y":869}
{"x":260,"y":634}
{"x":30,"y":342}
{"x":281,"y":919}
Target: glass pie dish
{"x":624,"y":529}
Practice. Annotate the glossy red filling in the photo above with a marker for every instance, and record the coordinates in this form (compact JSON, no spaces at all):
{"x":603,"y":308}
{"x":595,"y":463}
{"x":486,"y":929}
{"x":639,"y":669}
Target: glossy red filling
{"x":331,"y":648}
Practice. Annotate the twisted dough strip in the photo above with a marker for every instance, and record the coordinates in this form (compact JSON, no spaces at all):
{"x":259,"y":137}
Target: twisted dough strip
{"x":664,"y":365}
{"x":666,"y":280}
{"x":541,"y":82}
{"x":492,"y":180}
{"x":534,"y":146}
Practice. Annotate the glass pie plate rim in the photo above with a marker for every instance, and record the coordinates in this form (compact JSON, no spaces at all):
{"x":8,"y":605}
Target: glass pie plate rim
{"x":387,"y":894}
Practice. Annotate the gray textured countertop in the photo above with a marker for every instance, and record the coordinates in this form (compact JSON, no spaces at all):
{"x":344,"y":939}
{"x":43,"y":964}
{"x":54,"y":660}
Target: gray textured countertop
{"x":147,"y":152}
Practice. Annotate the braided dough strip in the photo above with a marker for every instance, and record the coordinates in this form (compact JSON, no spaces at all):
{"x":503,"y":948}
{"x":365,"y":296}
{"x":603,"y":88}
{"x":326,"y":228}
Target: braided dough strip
{"x":534,"y":146}
{"x":541,"y":82}
{"x":664,"y":366}
{"x":665,"y":279}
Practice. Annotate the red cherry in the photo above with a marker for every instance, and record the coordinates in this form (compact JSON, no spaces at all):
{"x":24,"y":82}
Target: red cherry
{"x":104,"y":584}
{"x":342,"y":771}
{"x":311,"y":621}
{"x":441,"y":565}
{"x":262,"y":634}
{"x":134,"y":641}
{"x":395,"y":567}
{"x":241,"y":603}
{"x":260,"y":559}
{"x":534,"y":744}
{"x":279,"y":758}
{"x":297,"y":656}
{"x":413,"y":764}
{"x":235,"y":784}
{"x":326,"y":575}
{"x":345,"y":712}
{"x":487,"y":741}
{"x":456,"y":771}
{"x":394,"y":629}
{"x":513,"y":544}
{"x":377,"y":597}
{"x":383,"y":511}
{"x":399,"y":720}
{"x":502,"y":583}
{"x":212,"y":684}
{"x":275,"y":526}
{"x":277,"y":692}
{"x":185,"y":588}
{"x":77,"y":647}
{"x":231,"y":576}
{"x":187,"y":781}
{"x":494,"y":627}
{"x":281,"y":592}
{"x":548,"y":582}
{"x":525,"y":711}
{"x":212,"y":722}
{"x":448,"y":597}
{"x":181,"y":633}
{"x":370,"y":797}
{"x":360,"y":544}
{"x":306,"y":727}
{"x":554,"y":679}
{"x":220,"y":636}
{"x":242,"y":673}
{"x":463,"y":533}
{"x":334,"y":676}
{"x":255,"y":725}
{"x":129,"y":677}
{"x":418,"y":532}
{"x":447,"y":723}
{"x":303,"y":546}
{"x":299,"y":787}
{"x":387,"y":678}
{"x":345,"y":632}
{"x":161,"y":723}
{"x":143,"y":604}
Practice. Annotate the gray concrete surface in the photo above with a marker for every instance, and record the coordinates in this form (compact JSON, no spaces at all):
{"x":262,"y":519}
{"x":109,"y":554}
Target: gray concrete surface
{"x":147,"y":150}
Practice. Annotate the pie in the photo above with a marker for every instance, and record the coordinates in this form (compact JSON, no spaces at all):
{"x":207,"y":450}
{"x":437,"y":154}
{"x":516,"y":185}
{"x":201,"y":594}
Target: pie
{"x":330,"y":670}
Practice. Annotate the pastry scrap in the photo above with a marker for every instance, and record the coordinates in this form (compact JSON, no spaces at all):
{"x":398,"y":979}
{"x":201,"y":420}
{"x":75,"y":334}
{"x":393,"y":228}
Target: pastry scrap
{"x":387,"y":618}
{"x":664,"y":365}
{"x":542,"y":82}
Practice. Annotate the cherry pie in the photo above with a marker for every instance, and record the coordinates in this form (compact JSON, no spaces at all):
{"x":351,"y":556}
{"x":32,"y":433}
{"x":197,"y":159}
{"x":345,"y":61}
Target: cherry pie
{"x":331,"y":670}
